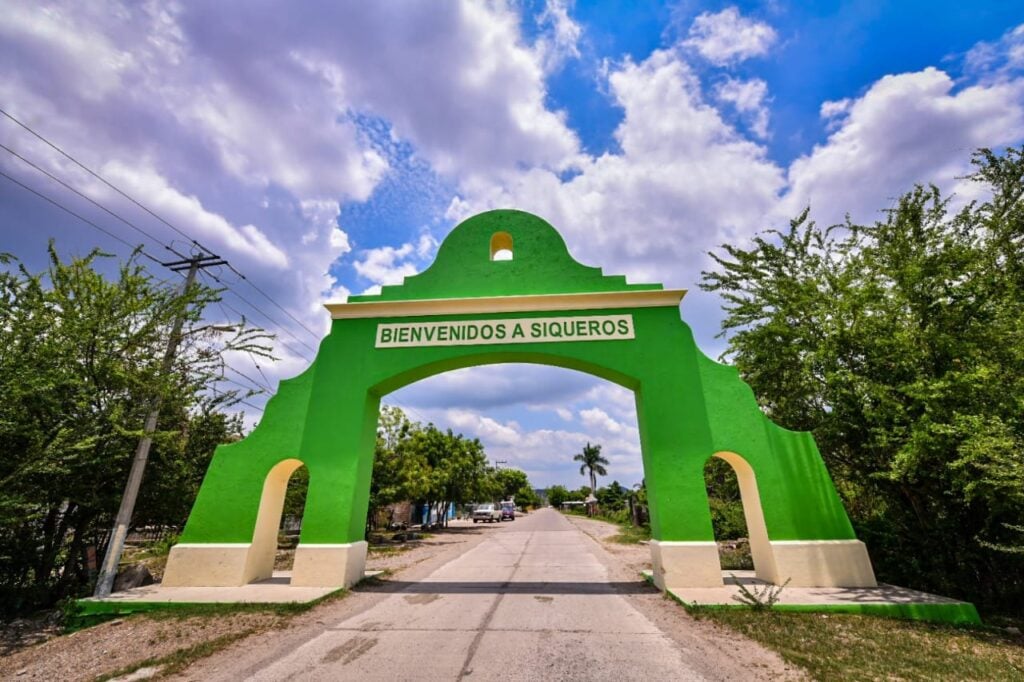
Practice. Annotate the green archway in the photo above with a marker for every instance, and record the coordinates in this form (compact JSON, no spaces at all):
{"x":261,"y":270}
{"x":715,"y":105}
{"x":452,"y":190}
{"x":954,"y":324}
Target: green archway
{"x":533,"y":303}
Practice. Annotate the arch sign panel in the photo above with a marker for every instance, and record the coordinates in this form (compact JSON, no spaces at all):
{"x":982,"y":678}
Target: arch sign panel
{"x":504,"y":288}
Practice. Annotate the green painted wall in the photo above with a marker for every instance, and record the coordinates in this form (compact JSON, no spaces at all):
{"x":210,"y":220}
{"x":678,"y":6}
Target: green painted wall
{"x":688,"y":406}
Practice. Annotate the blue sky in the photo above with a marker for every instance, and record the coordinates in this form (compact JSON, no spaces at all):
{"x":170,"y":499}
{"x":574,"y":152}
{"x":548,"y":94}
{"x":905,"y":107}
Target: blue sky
{"x":326,"y":150}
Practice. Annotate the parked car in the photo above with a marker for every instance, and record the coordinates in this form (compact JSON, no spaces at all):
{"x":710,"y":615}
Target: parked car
{"x":487,"y":513}
{"x":508,"y":511}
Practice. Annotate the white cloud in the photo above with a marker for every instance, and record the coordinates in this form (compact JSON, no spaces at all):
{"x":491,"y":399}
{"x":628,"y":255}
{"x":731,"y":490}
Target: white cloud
{"x":907,"y":128}
{"x":386,"y":264}
{"x":748,"y":97}
{"x":684,"y":181}
{"x":998,"y":60}
{"x":253,"y":145}
{"x":727,"y":37}
{"x":559,"y":41}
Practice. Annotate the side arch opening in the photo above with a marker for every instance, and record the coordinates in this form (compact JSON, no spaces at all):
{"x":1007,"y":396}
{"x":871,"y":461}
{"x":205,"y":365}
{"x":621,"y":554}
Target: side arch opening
{"x":278,"y":520}
{"x":737,"y":515}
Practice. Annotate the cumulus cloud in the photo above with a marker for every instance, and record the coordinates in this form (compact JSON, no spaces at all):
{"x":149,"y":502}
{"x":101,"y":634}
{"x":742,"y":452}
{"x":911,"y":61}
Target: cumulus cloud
{"x":684,"y":180}
{"x":907,"y":128}
{"x":749,"y":97}
{"x":999,"y":59}
{"x":253,"y":145}
{"x":560,"y":35}
{"x":727,"y":37}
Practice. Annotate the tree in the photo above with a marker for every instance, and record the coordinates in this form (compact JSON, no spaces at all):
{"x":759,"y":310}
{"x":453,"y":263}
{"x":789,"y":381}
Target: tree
{"x":899,"y":344}
{"x":400,"y":470}
{"x":592,"y":462}
{"x":557,"y":494}
{"x":80,"y":364}
{"x":612,"y":497}
{"x":511,"y":482}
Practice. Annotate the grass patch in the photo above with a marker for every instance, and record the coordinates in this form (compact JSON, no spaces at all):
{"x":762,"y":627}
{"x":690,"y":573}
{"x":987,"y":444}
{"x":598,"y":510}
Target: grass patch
{"x":631,"y":535}
{"x":852,"y":647}
{"x":388,"y":550}
{"x":85,"y":615}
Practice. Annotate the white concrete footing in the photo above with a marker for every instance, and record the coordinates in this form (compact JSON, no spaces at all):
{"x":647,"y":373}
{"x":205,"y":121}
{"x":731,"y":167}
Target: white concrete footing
{"x":822,"y":563}
{"x":685,"y":564}
{"x":804,"y":563}
{"x":208,"y":565}
{"x":339,"y":565}
{"x":234,"y":565}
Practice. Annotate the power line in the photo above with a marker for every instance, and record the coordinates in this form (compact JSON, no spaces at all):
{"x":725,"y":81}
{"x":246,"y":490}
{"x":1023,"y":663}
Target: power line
{"x":262,"y":293}
{"x":192,"y":240}
{"x":262,"y":312}
{"x":80,"y":217}
{"x":235,"y":398}
{"x":248,"y":378}
{"x":252,"y":357}
{"x":145,"y":208}
{"x":91,"y":201}
{"x":99,"y":177}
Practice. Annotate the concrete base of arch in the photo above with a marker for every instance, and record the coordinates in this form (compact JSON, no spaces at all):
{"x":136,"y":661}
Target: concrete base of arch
{"x":805,"y":563}
{"x":340,"y":565}
{"x":822,"y":563}
{"x":233,"y":565}
{"x":685,"y":564}
{"x":209,"y":565}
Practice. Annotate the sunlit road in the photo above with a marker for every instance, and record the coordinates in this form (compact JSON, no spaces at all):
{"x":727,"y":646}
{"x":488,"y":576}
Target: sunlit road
{"x":531,"y":602}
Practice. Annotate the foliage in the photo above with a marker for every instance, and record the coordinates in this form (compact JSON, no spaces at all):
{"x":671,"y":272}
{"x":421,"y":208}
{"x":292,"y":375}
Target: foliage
{"x":724,"y":499}
{"x":557,"y":494}
{"x":81,"y":363}
{"x":514,"y":485}
{"x":612,"y":497}
{"x":759,"y":598}
{"x":440,"y":468}
{"x":899,"y":345}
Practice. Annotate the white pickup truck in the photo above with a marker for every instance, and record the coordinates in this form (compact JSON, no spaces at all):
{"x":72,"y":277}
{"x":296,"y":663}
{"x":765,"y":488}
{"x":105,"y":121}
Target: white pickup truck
{"x":488,"y":513}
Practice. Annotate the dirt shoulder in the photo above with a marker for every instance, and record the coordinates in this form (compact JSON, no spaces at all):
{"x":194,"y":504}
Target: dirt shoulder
{"x":176,"y":639}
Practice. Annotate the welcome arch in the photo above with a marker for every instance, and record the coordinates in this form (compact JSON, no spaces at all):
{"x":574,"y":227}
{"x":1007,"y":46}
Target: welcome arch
{"x":540,"y":306}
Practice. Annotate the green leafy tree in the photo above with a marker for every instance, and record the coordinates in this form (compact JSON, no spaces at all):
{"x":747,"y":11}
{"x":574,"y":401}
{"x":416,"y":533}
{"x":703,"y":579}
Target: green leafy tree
{"x":557,"y":494}
{"x":400,"y":470}
{"x":592,"y":463}
{"x":899,"y":344}
{"x":612,"y":497}
{"x":511,"y":482}
{"x":80,"y":365}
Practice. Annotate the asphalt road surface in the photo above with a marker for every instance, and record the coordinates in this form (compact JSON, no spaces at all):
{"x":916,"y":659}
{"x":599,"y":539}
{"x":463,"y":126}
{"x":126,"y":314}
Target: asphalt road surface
{"x":530,"y":602}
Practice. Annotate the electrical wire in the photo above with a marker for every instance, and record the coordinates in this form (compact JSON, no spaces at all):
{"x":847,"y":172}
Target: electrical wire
{"x":260,"y":311}
{"x":81,"y":217}
{"x":92,"y":201}
{"x":155,"y":215}
{"x":99,"y":177}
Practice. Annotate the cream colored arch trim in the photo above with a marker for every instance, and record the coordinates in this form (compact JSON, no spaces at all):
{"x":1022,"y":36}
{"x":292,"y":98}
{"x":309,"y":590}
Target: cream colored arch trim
{"x":655,"y":298}
{"x":760,"y":547}
{"x":260,"y":560}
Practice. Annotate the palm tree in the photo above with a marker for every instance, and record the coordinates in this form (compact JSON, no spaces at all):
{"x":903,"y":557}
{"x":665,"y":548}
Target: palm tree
{"x":591,"y":459}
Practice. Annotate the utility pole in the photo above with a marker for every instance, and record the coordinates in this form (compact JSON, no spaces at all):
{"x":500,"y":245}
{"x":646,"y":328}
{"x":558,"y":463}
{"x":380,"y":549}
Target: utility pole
{"x":105,"y":581}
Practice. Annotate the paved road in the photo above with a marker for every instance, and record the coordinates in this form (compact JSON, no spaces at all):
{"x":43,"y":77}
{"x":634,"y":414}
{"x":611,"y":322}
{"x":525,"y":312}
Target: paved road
{"x":531,"y":602}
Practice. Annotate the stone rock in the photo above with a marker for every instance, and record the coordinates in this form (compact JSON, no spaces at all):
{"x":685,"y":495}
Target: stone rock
{"x":135,"y":575}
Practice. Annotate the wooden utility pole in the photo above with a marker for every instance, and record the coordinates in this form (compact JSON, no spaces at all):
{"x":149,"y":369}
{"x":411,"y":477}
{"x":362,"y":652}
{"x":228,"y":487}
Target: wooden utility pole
{"x":108,"y":571}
